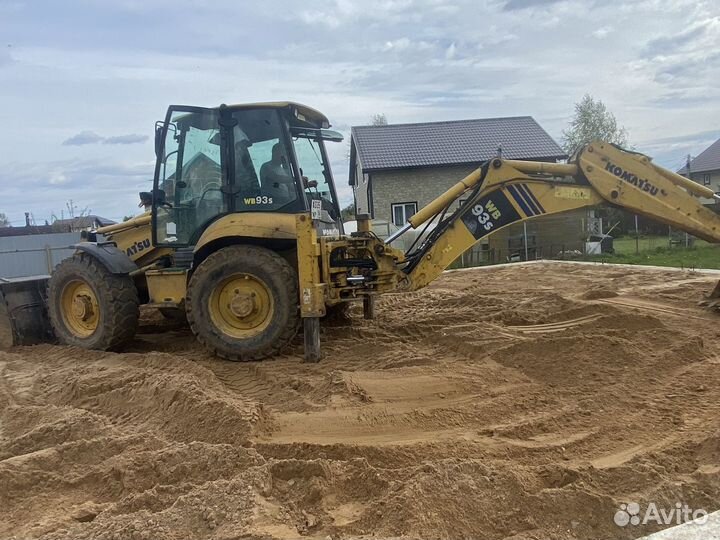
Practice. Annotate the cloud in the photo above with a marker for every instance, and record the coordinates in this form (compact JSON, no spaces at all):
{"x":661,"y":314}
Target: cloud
{"x":5,"y":57}
{"x":126,"y":139}
{"x":109,"y":186}
{"x":90,"y":137}
{"x":346,"y":58}
{"x":82,"y":138}
{"x":602,"y":32}
{"x":671,"y":44}
{"x":513,"y":5}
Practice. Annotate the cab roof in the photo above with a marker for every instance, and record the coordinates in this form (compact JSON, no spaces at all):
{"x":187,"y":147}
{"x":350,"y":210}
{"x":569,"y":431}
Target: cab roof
{"x":303,"y":113}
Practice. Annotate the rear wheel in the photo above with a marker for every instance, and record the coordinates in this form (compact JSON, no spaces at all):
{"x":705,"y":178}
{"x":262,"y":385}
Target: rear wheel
{"x":91,"y":307}
{"x":242,"y":303}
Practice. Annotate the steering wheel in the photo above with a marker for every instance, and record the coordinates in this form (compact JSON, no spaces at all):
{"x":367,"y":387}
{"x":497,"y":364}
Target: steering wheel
{"x":210,"y":186}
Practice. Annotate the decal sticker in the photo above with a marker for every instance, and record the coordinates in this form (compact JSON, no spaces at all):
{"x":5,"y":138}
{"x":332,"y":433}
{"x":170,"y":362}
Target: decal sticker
{"x":489,"y":213}
{"x":572,"y":193}
{"x":526,"y":199}
{"x":259,"y":200}
{"x":137,"y":247}
{"x":316,"y":209}
{"x":631,"y":178}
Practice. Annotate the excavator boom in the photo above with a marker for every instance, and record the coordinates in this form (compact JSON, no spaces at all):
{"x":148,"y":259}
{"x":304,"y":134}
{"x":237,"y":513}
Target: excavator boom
{"x":503,"y":192}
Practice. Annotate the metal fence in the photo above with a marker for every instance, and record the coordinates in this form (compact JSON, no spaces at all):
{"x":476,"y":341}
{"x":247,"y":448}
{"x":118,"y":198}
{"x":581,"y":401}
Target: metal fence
{"x":33,"y":255}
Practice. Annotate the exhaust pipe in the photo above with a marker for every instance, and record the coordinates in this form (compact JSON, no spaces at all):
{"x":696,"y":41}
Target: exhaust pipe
{"x":23,"y":312}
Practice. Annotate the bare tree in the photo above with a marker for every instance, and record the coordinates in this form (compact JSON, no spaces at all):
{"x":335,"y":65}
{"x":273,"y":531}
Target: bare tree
{"x":592,"y":121}
{"x":71,"y":211}
{"x":4,"y":220}
{"x":379,"y":119}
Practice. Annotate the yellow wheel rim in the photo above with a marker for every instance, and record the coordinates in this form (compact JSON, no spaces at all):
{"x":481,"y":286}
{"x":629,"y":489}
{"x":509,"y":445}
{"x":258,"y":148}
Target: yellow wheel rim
{"x":80,"y":309}
{"x":241,"y":306}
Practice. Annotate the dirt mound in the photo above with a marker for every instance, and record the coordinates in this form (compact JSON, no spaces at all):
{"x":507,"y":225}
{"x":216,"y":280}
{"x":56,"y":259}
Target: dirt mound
{"x":518,"y":402}
{"x":599,"y":292}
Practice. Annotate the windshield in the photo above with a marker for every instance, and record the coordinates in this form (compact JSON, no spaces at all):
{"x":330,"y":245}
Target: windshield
{"x":190,"y":179}
{"x":316,"y":174}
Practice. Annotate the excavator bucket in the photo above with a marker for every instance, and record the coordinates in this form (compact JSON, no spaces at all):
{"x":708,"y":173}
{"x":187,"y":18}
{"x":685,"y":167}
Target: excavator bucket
{"x":23,"y":312}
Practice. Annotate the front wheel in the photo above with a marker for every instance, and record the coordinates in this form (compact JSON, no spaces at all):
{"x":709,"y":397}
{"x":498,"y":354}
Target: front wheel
{"x":91,"y":307}
{"x":242,"y":303}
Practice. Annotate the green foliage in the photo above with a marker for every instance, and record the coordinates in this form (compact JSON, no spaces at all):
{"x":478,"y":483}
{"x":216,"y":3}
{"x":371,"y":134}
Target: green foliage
{"x":655,"y":251}
{"x":592,"y":121}
{"x":348,"y":213}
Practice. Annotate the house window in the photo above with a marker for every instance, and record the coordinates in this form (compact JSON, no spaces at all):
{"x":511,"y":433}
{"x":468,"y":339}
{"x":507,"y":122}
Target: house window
{"x":706,"y":179}
{"x":401,"y":212}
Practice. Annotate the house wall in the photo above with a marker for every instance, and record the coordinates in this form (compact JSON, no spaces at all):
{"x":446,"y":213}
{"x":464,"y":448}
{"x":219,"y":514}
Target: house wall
{"x":547,"y":235}
{"x":714,"y":182}
{"x":412,"y":185}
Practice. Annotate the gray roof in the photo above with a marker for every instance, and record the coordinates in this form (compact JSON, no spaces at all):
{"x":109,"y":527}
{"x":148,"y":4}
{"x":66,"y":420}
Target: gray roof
{"x":82,"y":222}
{"x":708,"y":160}
{"x":453,"y":142}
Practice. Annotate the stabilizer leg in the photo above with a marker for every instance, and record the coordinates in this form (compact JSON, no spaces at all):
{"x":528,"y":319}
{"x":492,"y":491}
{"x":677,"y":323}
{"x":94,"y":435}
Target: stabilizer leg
{"x":369,"y":307}
{"x":311,"y":327}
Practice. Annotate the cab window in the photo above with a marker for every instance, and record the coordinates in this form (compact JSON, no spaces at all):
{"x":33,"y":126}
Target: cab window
{"x":264,"y":179}
{"x":316,"y":176}
{"x":190,"y":180}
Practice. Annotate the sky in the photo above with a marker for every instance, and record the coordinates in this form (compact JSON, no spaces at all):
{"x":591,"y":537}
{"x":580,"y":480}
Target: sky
{"x":82,"y":82}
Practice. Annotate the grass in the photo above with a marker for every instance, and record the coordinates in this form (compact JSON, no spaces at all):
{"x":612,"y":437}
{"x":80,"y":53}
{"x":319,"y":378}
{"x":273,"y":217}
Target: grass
{"x":655,"y":251}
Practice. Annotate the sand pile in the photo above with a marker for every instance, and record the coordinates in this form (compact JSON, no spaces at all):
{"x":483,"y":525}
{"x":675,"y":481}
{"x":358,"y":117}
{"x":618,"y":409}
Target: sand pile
{"x":506,"y":403}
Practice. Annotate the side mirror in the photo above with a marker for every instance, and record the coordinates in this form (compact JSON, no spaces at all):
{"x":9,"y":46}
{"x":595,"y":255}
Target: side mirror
{"x":158,"y":138}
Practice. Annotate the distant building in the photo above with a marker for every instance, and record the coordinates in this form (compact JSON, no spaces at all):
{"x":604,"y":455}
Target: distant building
{"x":81,"y":223}
{"x":705,"y":169}
{"x":397,"y":169}
{"x":25,"y":231}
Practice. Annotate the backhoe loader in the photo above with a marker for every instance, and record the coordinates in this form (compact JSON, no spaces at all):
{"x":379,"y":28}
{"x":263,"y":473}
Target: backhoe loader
{"x":242,"y":233}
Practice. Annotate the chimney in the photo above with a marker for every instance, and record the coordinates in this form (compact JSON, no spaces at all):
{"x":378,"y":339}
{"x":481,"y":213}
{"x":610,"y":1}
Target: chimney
{"x":27,"y":219}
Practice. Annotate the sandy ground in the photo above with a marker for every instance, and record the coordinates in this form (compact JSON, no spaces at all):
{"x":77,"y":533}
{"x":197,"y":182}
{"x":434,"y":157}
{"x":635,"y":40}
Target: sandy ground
{"x":519,"y":402}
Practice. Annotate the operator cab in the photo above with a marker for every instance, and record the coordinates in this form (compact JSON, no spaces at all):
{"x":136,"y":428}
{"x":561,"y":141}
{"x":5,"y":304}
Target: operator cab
{"x":265,"y":157}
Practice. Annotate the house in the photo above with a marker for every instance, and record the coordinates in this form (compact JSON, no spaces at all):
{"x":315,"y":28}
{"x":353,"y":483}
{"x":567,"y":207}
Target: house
{"x":397,"y":169}
{"x":81,"y":223}
{"x":705,"y":169}
{"x":26,"y":230}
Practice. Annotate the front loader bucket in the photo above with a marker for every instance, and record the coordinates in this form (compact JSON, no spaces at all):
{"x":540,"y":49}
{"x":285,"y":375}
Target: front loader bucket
{"x":23,"y":312}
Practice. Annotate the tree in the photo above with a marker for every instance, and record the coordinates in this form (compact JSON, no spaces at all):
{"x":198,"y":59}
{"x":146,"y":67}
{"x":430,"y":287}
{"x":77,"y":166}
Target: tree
{"x":4,"y":220}
{"x":348,"y":213}
{"x":379,"y":119}
{"x":592,"y":121}
{"x":72,"y":210}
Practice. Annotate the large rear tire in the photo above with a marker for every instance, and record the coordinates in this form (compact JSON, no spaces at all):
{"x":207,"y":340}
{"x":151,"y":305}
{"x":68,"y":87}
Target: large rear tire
{"x":91,"y":307}
{"x":242,"y":303}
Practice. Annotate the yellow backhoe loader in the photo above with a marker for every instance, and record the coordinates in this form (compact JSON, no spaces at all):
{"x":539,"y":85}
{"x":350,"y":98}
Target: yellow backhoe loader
{"x":242,"y":234}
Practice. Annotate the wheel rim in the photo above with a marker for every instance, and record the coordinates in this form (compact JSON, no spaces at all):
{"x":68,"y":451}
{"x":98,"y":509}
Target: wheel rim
{"x":241,"y":306}
{"x":80,"y":308}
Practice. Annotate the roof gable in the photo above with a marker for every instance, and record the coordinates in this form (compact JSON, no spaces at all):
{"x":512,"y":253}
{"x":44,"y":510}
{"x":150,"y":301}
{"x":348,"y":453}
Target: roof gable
{"x":452,"y":142}
{"x":708,"y":160}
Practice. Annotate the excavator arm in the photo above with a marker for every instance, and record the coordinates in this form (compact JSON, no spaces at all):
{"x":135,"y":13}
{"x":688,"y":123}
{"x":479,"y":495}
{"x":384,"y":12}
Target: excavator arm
{"x":503,"y":192}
